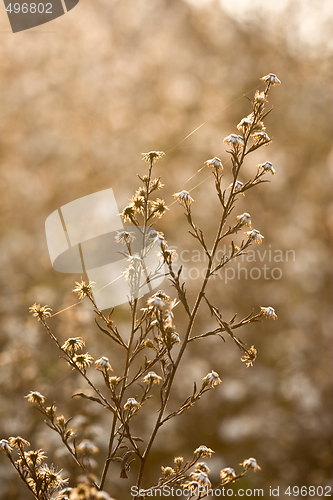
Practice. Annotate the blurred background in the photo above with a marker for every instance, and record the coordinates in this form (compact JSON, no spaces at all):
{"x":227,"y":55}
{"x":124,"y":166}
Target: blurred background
{"x":81,"y":98}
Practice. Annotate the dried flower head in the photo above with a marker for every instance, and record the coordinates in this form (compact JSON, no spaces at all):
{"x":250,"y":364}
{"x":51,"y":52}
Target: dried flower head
{"x":245,"y":123}
{"x":152,"y":378}
{"x":5,"y":446}
{"x":201,"y":478}
{"x":271,"y":79}
{"x":73,"y":344}
{"x":35,"y":397}
{"x":159,"y":300}
{"x":249,"y":356}
{"x":227,"y":474}
{"x":51,"y":477}
{"x":178,"y":461}
{"x":87,"y":447}
{"x":158,"y":208}
{"x":124,"y":237}
{"x":250,"y":463}
{"x":174,"y":338}
{"x":261,"y":137}
{"x":83,"y":361}
{"x":267,"y":167}
{"x":35,"y":457}
{"x":154,"y":236}
{"x":83,"y":289}
{"x":114,"y":381}
{"x":184,"y":198}
{"x":268,"y":312}
{"x":212,"y":379}
{"x":203,"y":467}
{"x":214,"y":163}
{"x":238,"y":186}
{"x":244,"y":218}
{"x":167,"y":472}
{"x":152,"y":156}
{"x":155,"y":184}
{"x":103,"y":364}
{"x":234,"y":140}
{"x":255,"y":235}
{"x":40,"y":312}
{"x":138,"y":202}
{"x":18,"y":442}
{"x":203,"y":451}
{"x":128,"y":213}
{"x":131,"y":404}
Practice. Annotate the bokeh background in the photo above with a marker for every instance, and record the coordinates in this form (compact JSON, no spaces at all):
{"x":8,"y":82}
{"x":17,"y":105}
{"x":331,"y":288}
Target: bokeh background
{"x":81,"y":98}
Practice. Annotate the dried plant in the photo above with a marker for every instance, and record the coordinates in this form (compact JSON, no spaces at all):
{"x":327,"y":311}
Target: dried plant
{"x":152,"y":330}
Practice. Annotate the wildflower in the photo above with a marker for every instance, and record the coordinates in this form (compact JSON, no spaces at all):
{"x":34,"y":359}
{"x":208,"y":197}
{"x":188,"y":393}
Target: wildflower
{"x":158,"y":208}
{"x":18,"y":442}
{"x":214,"y":163}
{"x":254,"y":235}
{"x":174,"y":338}
{"x":114,"y":381}
{"x":260,"y":97}
{"x":244,"y":218}
{"x":103,"y":364}
{"x":82,"y":289}
{"x":128,"y":213}
{"x":227,"y":474}
{"x":201,"y":478}
{"x":267,"y":167}
{"x":234,"y":140}
{"x":5,"y":446}
{"x":238,"y":186}
{"x":168,"y":255}
{"x":203,"y":467}
{"x":154,"y":236}
{"x":131,"y":404}
{"x":271,"y":79}
{"x":250,"y":463}
{"x":167,"y":471}
{"x":152,"y":378}
{"x":50,"y":476}
{"x":184,"y":198}
{"x":83,"y":361}
{"x":250,"y":356}
{"x":244,"y":124}
{"x":73,"y":344}
{"x":35,"y":397}
{"x":261,"y":137}
{"x":40,"y":312}
{"x":159,"y":300}
{"x":87,"y":447}
{"x":155,"y":184}
{"x":124,"y":237}
{"x":35,"y":457}
{"x":212,"y":379}
{"x":138,"y":202}
{"x":152,"y":156}
{"x":178,"y":461}
{"x":269,"y":312}
{"x":203,"y":451}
